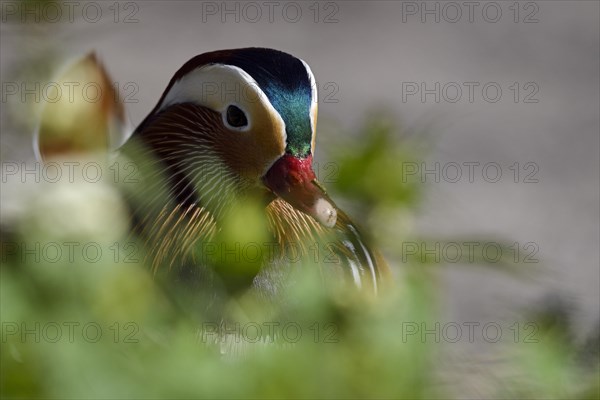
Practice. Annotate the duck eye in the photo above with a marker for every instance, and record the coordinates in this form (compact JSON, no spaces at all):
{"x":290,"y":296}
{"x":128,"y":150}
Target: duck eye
{"x":236,"y":117}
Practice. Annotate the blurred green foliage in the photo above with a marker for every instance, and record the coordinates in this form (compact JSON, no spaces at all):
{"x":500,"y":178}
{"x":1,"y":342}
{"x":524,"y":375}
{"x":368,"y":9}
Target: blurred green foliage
{"x":107,"y":328}
{"x":371,"y":168}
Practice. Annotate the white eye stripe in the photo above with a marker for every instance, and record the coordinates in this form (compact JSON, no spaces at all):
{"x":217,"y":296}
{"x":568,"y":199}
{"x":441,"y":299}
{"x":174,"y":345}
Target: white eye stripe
{"x":212,"y":83}
{"x":314,"y":99}
{"x":312,"y":80}
{"x":218,"y":86}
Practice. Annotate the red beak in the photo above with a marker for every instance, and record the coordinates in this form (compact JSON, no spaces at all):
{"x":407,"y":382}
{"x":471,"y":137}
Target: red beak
{"x":294,"y":180}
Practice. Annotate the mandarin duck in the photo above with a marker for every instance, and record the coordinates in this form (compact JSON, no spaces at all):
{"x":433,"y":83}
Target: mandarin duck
{"x":236,"y":128}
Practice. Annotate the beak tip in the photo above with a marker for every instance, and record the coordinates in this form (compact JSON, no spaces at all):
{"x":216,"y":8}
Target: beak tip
{"x":325,"y":213}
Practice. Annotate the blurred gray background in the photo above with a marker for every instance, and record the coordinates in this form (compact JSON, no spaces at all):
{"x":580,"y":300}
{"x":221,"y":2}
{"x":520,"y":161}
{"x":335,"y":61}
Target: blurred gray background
{"x":373,"y":52}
